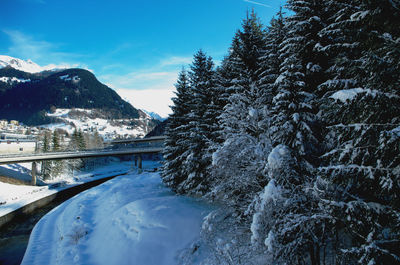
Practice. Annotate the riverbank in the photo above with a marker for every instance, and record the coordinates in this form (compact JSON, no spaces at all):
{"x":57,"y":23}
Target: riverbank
{"x":131,"y":219}
{"x":16,"y":226}
{"x":14,"y":236}
{"x":13,"y":197}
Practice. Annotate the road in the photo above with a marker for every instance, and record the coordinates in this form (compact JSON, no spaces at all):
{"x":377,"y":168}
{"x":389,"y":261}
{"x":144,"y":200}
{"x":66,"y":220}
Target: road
{"x":22,"y":158}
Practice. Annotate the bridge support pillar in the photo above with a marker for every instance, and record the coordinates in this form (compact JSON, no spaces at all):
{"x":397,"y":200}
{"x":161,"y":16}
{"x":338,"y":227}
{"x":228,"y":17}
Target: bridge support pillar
{"x":140,"y":161}
{"x":33,"y":173}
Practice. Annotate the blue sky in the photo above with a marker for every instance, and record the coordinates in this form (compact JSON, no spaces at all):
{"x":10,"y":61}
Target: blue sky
{"x":135,"y":47}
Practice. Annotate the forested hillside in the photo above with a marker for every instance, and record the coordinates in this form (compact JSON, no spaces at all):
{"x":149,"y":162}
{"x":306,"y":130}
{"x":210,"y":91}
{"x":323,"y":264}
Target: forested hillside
{"x":297,"y":131}
{"x":30,"y":100}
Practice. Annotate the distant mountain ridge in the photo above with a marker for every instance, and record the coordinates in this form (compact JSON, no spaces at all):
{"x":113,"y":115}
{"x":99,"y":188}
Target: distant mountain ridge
{"x":154,"y":115}
{"x":29,"y":97}
{"x":22,"y":65}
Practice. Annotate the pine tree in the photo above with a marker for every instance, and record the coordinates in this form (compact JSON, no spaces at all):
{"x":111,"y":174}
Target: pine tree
{"x":46,"y":143}
{"x":177,"y":134}
{"x":201,"y":124}
{"x":361,"y":110}
{"x":270,"y":61}
{"x":81,"y":140}
{"x":98,"y":142}
{"x":56,"y":142}
{"x":293,"y":228}
{"x":46,"y":165}
{"x":245,"y":96}
{"x":237,"y":175}
{"x":56,"y":166}
{"x":75,"y":144}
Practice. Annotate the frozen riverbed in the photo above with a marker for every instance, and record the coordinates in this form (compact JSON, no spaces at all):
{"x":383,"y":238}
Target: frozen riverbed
{"x":132,"y":219}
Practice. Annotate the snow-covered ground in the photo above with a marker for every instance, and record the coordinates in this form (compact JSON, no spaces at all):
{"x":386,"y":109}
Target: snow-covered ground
{"x":13,"y":197}
{"x":131,"y":219}
{"x":106,"y":128}
{"x":23,"y":65}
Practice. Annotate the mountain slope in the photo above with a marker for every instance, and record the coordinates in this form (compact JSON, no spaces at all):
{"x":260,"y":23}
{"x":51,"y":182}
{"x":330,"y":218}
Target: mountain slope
{"x":159,"y":129}
{"x":28,"y":97}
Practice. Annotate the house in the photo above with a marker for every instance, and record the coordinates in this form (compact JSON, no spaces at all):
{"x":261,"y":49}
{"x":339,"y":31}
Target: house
{"x":14,"y":122}
{"x":13,"y":146}
{"x":17,"y":143}
{"x":3,"y":124}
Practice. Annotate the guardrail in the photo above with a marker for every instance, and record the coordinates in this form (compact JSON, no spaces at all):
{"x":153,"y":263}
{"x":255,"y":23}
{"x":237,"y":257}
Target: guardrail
{"x":37,"y":157}
{"x":21,"y":158}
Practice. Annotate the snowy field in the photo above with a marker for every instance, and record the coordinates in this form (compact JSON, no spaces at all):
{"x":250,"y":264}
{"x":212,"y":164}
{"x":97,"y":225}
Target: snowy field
{"x":104,"y":127}
{"x":13,"y":197}
{"x":131,"y":219}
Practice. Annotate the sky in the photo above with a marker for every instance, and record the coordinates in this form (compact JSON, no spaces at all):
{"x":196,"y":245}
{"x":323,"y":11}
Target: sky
{"x":135,"y":47}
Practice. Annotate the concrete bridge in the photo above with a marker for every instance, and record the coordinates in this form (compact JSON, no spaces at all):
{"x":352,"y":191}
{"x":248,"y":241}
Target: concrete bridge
{"x":34,"y":158}
{"x":154,"y":139}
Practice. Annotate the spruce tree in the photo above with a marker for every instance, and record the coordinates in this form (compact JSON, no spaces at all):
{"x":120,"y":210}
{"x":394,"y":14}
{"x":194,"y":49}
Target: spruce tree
{"x":201,"y":124}
{"x":81,"y":140}
{"x":98,"y":142}
{"x":294,"y":228}
{"x":46,"y":165}
{"x":56,"y":166}
{"x":46,"y":143}
{"x":56,"y":142}
{"x":237,"y":175}
{"x":361,"y":110}
{"x":177,"y":134}
{"x":75,"y":144}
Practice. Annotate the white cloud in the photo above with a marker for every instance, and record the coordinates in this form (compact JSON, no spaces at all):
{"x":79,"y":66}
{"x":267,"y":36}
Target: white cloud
{"x":141,"y":80}
{"x":146,"y":89}
{"x":176,"y":60}
{"x":256,"y":3}
{"x":25,"y":47}
{"x":149,"y":89}
{"x":155,"y":100}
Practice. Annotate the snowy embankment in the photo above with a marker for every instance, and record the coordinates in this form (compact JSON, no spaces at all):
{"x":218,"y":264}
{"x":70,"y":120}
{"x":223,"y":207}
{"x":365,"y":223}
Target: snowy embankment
{"x":131,"y":219}
{"x":13,"y":197}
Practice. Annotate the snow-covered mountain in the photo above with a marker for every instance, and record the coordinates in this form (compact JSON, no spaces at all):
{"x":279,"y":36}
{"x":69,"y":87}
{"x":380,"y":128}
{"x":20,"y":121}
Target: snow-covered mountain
{"x":22,"y":65}
{"x":66,"y":99}
{"x":153,"y":115}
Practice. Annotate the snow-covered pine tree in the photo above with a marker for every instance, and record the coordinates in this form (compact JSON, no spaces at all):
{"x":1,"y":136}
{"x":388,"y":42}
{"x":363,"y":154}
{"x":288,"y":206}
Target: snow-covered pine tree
{"x":81,"y":140}
{"x":239,"y":160}
{"x":75,"y":144}
{"x":56,"y":166}
{"x":270,"y":61}
{"x":287,"y":219}
{"x":201,"y":125}
{"x":46,"y":142}
{"x":98,"y":141}
{"x":56,"y":142}
{"x":46,"y":147}
{"x":361,"y":109}
{"x":177,"y":133}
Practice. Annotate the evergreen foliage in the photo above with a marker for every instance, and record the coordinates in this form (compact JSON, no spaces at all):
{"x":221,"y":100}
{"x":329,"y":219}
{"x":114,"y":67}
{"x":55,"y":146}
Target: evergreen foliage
{"x":46,"y":165}
{"x":239,"y":160}
{"x":355,"y":172}
{"x":298,"y":130}
{"x":58,"y":165}
{"x":177,"y":134}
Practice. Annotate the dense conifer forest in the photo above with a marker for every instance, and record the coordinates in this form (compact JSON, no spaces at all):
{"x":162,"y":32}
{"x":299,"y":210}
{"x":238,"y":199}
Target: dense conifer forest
{"x":297,"y":132}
